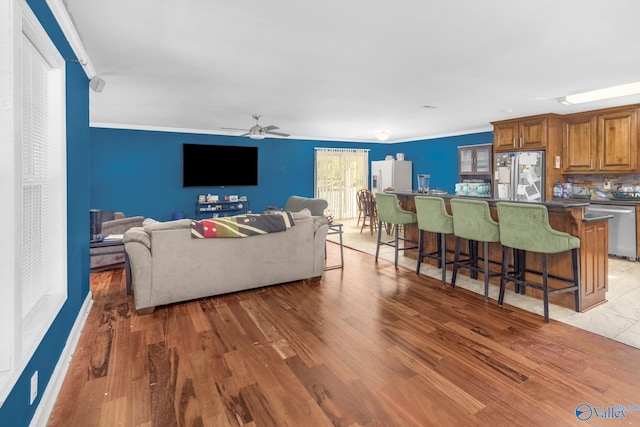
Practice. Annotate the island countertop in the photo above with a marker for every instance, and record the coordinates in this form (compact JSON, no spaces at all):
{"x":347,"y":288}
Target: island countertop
{"x":564,"y":215}
{"x":565,"y":203}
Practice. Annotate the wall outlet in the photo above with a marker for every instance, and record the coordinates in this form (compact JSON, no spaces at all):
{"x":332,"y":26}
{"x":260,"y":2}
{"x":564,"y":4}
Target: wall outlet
{"x":34,"y":387}
{"x":607,"y":185}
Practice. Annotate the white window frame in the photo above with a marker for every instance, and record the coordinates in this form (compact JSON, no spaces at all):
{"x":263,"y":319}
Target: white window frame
{"x":22,"y":332}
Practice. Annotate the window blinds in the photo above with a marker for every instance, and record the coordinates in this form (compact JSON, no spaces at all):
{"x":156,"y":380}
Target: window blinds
{"x":35,"y":118}
{"x":339,"y":174}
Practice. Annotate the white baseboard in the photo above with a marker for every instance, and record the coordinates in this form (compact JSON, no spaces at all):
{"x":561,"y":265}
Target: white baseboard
{"x":43,"y":411}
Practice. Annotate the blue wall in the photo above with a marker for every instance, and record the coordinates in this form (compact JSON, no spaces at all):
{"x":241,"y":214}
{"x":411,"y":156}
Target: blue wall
{"x":140,"y":172}
{"x":437,"y":157}
{"x":16,"y":410}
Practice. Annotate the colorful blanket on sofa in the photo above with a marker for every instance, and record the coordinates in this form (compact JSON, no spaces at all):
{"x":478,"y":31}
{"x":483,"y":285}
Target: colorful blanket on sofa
{"x":241,"y":225}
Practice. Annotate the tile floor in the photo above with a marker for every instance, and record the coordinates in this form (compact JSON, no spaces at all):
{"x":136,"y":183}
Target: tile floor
{"x":618,"y":318}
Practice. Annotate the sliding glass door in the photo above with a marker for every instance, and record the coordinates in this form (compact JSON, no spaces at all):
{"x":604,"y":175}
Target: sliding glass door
{"x":339,"y":174}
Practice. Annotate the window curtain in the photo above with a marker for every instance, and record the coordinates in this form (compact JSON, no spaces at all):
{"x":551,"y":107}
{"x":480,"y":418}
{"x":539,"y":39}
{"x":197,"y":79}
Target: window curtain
{"x":339,"y":174}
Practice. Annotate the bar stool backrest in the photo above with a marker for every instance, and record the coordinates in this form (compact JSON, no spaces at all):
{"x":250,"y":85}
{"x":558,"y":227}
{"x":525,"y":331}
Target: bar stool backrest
{"x":389,"y":210}
{"x":433,"y":215}
{"x":472,"y":220}
{"x":526,"y":226}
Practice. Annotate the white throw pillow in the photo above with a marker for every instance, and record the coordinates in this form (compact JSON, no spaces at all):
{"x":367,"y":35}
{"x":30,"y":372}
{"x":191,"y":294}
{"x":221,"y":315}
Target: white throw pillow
{"x":302,"y":214}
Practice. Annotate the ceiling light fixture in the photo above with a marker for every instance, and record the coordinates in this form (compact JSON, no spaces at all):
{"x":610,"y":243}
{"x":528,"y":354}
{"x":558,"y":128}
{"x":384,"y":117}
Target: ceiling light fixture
{"x":256,"y":136}
{"x":383,"y":135}
{"x":599,"y":94}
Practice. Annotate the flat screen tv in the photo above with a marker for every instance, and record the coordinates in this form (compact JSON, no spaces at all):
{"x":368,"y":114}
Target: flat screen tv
{"x":219,"y":165}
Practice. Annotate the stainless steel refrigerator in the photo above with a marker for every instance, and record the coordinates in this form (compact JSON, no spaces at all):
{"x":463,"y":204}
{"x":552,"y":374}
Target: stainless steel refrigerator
{"x":519,"y":175}
{"x":391,"y":173}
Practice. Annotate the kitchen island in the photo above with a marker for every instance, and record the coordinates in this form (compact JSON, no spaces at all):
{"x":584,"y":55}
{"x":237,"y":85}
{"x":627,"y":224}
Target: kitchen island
{"x":567,"y":216}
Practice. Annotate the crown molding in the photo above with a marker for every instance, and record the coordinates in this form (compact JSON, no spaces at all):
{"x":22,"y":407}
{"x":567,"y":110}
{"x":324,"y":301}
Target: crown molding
{"x":66,"y":25}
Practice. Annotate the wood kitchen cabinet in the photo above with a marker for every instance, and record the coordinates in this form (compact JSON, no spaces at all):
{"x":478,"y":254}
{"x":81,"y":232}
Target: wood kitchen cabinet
{"x":579,"y":141}
{"x":527,"y":133}
{"x":601,"y":141}
{"x":475,"y":160}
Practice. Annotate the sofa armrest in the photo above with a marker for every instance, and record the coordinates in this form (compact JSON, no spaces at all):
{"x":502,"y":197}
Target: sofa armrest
{"x":137,"y":234}
{"x":120,"y":226}
{"x":137,"y":244}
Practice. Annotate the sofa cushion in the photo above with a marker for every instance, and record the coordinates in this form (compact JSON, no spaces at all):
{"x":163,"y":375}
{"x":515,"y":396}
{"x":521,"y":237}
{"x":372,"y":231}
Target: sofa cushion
{"x":150,"y":226}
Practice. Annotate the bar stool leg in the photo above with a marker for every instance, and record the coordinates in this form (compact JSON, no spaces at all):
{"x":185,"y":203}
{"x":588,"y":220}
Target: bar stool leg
{"x":576,"y":277}
{"x":379,"y":237}
{"x":506,"y":252}
{"x":545,"y":287}
{"x":443,"y":257}
{"x":456,"y":259}
{"x":420,"y":256}
{"x":486,"y":270}
{"x":396,"y":246}
{"x":473,"y":258}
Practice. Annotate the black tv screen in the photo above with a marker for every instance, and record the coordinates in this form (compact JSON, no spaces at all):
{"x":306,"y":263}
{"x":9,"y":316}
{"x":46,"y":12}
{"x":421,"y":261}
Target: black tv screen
{"x":219,"y":165}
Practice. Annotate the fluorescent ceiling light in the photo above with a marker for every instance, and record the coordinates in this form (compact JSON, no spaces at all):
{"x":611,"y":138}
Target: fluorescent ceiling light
{"x":599,"y":94}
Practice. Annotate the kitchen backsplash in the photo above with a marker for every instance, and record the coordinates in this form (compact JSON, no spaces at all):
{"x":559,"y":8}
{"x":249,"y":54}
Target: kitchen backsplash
{"x":598,"y":181}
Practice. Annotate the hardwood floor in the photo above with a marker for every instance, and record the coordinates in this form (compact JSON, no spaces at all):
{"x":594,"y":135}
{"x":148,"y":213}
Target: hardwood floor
{"x":369,"y":345}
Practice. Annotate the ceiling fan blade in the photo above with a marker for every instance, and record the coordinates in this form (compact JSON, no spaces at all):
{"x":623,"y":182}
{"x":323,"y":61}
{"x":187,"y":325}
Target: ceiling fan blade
{"x":270,"y":127}
{"x":277,"y":133}
{"x":245,"y":134}
{"x":246,"y":130}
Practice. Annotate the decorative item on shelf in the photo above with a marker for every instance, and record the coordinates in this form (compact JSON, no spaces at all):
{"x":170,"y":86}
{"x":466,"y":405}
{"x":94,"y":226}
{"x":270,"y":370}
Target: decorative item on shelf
{"x":218,"y":207}
{"x":400,"y":157}
{"x":212,"y":198}
{"x":202,"y":198}
{"x":243,"y":198}
{"x":233,"y":198}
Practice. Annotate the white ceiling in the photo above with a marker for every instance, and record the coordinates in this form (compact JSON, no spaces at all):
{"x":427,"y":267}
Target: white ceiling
{"x":345,"y":69}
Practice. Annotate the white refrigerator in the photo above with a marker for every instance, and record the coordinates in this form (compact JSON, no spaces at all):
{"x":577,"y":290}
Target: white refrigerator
{"x":396,"y":174}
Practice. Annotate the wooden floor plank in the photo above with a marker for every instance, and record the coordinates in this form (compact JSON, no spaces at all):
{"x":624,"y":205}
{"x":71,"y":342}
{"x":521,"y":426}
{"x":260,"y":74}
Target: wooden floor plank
{"x":368,"y":345}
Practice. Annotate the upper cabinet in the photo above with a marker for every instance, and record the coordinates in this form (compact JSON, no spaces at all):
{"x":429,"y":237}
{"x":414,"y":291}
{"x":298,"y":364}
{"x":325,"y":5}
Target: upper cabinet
{"x":523,"y":134}
{"x":475,"y":159}
{"x":601,"y":141}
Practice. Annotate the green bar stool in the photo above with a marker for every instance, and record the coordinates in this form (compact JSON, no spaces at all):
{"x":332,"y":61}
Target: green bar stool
{"x":390,"y":212}
{"x":525,"y":227}
{"x":433,"y":217}
{"x":472,"y":221}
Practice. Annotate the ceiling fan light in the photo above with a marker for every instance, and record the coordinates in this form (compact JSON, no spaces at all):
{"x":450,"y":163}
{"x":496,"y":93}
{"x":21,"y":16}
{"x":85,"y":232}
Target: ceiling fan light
{"x":256,"y":136}
{"x":599,"y":94}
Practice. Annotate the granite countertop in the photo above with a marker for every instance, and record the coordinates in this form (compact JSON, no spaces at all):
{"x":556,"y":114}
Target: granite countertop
{"x":567,"y":203}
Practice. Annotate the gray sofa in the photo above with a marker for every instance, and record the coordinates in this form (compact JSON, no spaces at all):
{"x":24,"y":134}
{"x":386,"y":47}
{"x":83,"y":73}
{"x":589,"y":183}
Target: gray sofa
{"x":169,"y":266}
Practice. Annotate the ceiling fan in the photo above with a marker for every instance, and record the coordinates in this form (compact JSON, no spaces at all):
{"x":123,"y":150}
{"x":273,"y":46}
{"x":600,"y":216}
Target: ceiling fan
{"x":259,"y":132}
